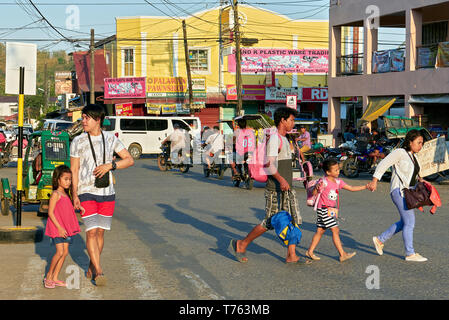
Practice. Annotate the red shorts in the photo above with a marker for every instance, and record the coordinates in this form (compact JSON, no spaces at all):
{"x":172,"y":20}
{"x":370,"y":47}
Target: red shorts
{"x":98,"y":211}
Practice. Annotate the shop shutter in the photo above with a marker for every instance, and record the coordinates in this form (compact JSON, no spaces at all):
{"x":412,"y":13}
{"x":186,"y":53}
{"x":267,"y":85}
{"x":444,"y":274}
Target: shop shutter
{"x":209,"y":116}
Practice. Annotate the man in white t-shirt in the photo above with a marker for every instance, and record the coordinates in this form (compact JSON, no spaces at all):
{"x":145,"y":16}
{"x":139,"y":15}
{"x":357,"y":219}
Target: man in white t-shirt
{"x":91,"y":157}
{"x":214,"y":146}
{"x":178,"y":142}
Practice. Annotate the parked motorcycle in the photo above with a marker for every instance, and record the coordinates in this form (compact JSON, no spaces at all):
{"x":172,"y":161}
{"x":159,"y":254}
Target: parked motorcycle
{"x":164,"y":162}
{"x":217,"y":169}
{"x":358,"y":160}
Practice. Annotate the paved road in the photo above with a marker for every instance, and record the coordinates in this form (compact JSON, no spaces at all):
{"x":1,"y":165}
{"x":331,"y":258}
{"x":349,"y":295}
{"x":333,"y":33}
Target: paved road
{"x":170,"y":236}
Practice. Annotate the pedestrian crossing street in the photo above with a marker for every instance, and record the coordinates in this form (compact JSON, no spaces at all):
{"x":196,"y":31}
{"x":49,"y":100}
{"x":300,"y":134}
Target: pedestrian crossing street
{"x":131,"y":280}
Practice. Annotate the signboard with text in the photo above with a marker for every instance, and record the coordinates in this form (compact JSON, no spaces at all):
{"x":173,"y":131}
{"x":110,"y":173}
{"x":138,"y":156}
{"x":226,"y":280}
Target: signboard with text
{"x":124,"y":109}
{"x":310,"y":61}
{"x":433,"y":157}
{"x":279,"y":95}
{"x":124,"y":88}
{"x":251,"y":92}
{"x":314,"y":94}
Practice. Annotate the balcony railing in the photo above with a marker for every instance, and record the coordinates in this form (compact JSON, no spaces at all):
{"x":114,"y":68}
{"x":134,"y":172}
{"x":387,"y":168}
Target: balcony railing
{"x":350,"y":65}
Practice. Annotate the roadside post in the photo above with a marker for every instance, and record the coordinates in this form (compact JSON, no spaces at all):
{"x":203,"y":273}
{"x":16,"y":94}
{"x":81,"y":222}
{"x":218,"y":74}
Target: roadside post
{"x":20,"y":66}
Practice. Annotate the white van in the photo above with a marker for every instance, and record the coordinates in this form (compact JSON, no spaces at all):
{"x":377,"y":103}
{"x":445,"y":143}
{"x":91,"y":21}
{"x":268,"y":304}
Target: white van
{"x":143,"y":134}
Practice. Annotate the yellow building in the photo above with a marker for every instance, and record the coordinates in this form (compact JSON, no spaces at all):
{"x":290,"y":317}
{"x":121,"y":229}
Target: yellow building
{"x":153,"y":47}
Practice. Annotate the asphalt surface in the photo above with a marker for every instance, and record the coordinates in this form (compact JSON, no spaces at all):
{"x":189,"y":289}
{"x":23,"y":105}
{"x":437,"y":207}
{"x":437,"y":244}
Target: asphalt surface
{"x":170,"y":236}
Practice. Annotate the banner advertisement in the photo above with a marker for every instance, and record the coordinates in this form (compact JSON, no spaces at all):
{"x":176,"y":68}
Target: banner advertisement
{"x":426,"y":57}
{"x":251,"y":92}
{"x":279,"y":95}
{"x":175,"y":87}
{"x":314,"y":94}
{"x":168,"y":108}
{"x":397,"y":60}
{"x":124,"y":88}
{"x":182,"y":108}
{"x":63,"y":82}
{"x":442,"y":55}
{"x":433,"y":157}
{"x":153,"y":109}
{"x":381,"y":62}
{"x":124,"y":109}
{"x":282,"y":60}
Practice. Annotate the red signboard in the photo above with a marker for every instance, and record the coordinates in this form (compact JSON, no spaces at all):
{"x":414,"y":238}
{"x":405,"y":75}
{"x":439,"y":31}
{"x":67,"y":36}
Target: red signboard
{"x":314,"y":94}
{"x":251,"y":92}
{"x":124,"y":109}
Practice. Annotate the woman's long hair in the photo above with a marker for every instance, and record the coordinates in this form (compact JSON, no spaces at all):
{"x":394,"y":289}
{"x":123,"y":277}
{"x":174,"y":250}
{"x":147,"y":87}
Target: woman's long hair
{"x":410,"y":137}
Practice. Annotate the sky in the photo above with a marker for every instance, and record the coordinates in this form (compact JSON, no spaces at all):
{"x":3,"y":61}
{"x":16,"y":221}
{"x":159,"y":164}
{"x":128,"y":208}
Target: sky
{"x":73,"y":19}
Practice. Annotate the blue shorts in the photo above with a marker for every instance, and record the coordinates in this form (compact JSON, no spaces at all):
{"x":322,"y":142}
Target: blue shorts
{"x":57,"y":240}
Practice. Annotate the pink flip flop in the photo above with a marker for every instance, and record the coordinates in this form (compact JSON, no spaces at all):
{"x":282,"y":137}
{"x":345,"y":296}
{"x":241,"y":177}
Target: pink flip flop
{"x":49,"y":284}
{"x":60,"y":283}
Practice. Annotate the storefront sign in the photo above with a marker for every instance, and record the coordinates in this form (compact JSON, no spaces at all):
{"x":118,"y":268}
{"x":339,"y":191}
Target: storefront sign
{"x":124,"y":88}
{"x":433,"y":157}
{"x":124,"y":109}
{"x":291,"y":101}
{"x":153,"y":109}
{"x":279,"y":95}
{"x":282,"y":60}
{"x":168,"y":108}
{"x":175,"y":87}
{"x":314,"y":94}
{"x":251,"y":92}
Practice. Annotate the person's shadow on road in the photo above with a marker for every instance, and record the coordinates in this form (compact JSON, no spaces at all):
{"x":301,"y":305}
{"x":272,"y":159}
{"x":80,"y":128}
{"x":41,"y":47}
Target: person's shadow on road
{"x":223,"y":236}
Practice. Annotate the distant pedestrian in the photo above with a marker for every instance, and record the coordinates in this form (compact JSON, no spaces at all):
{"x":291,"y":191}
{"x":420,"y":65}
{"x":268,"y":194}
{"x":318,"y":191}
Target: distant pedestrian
{"x":279,"y":193}
{"x":305,"y":139}
{"x":62,"y":224}
{"x":91,"y":160}
{"x":405,"y":174}
{"x":328,"y":208}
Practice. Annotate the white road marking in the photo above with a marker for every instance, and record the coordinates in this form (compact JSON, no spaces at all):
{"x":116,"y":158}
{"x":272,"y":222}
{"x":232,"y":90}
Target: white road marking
{"x":139,"y":278}
{"x":33,"y":278}
{"x":203,"y":289}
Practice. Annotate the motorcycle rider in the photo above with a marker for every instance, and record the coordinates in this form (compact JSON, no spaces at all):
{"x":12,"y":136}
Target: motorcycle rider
{"x":213,"y":146}
{"x":241,"y":130}
{"x":305,"y":139}
{"x":178,"y":143}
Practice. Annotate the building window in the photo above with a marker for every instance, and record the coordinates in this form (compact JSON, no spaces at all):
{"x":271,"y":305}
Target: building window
{"x":129,"y":62}
{"x":199,"y":59}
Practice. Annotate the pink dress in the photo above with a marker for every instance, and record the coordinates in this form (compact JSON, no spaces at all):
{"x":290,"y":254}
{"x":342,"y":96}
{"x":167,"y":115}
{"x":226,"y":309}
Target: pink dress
{"x":65,"y":214}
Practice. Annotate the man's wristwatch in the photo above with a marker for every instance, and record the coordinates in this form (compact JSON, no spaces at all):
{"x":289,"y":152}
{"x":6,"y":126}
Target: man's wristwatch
{"x":114,"y":165}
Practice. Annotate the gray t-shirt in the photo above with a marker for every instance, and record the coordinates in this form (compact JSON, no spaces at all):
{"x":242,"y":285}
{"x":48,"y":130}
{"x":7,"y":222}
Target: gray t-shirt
{"x":284,"y":161}
{"x":80,"y":148}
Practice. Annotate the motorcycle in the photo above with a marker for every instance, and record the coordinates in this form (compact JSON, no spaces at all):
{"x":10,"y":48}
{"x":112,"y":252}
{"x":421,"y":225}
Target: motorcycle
{"x":244,"y":176}
{"x":218,"y":168}
{"x":356,"y":161}
{"x":164,"y":162}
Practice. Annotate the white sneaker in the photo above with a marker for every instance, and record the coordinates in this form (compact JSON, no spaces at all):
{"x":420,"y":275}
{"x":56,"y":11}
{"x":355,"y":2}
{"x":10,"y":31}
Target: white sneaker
{"x":378,"y":245}
{"x":416,"y":257}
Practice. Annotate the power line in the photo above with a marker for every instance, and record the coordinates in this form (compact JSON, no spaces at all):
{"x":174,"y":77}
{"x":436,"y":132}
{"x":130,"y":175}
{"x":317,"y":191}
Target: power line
{"x":48,"y":22}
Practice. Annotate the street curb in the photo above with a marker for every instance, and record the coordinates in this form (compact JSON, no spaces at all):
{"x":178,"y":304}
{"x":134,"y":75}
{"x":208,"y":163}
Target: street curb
{"x":21,"y":234}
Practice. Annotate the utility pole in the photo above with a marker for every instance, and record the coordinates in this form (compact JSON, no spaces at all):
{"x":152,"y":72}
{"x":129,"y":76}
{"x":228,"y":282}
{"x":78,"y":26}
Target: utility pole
{"x":238,"y":59}
{"x":92,"y":66}
{"x":186,"y":52}
{"x":45,"y":88}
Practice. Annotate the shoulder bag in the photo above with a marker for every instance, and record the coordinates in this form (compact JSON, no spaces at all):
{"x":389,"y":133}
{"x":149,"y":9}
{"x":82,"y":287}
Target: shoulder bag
{"x":102,"y":182}
{"x":418,"y":196}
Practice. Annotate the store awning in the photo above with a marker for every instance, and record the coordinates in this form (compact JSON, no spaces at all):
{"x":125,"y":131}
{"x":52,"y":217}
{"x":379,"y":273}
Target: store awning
{"x":377,"y":107}
{"x":429,"y":98}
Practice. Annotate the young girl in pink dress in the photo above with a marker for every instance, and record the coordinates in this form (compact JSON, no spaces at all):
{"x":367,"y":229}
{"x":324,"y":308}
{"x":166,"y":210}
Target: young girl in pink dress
{"x":62,"y":224}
